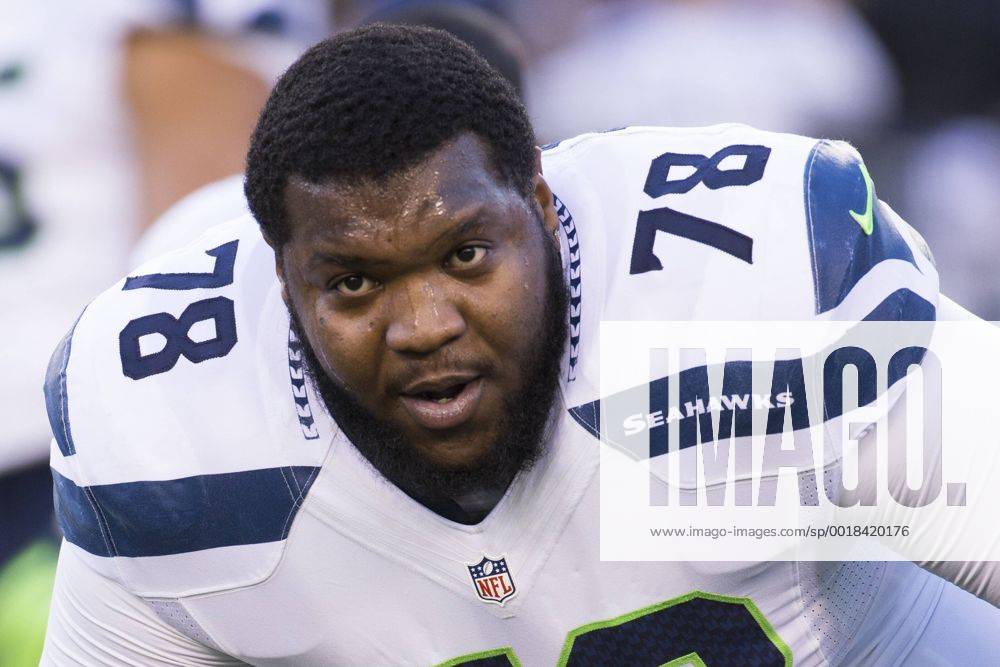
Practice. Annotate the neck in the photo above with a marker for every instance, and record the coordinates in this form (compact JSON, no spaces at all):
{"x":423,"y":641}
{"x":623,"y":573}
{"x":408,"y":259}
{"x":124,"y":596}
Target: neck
{"x":468,"y":508}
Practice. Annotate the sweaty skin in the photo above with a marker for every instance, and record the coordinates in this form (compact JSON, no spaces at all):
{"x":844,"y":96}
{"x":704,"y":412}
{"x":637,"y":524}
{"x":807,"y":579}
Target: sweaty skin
{"x":430,"y":281}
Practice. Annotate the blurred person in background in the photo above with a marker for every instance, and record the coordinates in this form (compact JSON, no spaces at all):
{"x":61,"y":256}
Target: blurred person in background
{"x":109,"y":112}
{"x":483,"y":29}
{"x":805,"y":66}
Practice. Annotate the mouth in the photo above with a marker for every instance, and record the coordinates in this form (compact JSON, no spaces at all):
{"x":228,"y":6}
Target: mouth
{"x":445,"y":403}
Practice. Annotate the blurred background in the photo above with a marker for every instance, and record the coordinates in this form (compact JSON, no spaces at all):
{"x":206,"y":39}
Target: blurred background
{"x":113,"y":110}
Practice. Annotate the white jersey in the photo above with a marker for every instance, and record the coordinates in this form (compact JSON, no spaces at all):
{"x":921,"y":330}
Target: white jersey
{"x":214,"y":512}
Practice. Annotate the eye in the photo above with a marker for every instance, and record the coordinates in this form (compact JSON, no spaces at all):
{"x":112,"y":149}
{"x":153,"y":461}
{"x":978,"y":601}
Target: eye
{"x":468,"y":256}
{"x":354,"y":285}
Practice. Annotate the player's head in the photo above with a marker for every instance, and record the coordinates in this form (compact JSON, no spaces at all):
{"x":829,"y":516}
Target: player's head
{"x":394,"y":173}
{"x":368,"y":104}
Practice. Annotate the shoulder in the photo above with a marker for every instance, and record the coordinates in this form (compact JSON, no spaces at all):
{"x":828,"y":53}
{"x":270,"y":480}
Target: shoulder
{"x":178,"y":428}
{"x":735,"y":223}
{"x":859,"y":247}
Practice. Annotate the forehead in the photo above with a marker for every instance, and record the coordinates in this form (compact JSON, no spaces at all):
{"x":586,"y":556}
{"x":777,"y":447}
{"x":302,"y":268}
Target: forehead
{"x":456,"y":178}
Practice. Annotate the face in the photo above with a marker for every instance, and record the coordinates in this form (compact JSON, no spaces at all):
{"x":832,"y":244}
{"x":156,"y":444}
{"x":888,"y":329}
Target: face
{"x":434,"y":315}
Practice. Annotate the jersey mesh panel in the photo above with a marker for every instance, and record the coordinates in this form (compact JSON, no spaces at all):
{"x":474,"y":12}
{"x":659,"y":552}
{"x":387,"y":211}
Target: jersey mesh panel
{"x":173,"y":614}
{"x":837,"y":595}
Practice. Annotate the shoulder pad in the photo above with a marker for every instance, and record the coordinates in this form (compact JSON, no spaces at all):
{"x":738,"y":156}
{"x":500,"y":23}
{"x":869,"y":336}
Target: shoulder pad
{"x":725,"y":223}
{"x":185,"y":439}
{"x":733,"y":223}
{"x":686,"y":223}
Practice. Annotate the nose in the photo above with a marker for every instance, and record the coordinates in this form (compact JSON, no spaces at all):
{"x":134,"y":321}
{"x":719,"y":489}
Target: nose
{"x":424,"y":319}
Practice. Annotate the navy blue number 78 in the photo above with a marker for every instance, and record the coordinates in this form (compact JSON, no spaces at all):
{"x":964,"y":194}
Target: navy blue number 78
{"x":176,"y":330}
{"x":696,"y":229}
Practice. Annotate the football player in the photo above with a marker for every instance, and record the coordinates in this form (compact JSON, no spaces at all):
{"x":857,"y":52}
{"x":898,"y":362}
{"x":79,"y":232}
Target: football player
{"x":343,"y":430}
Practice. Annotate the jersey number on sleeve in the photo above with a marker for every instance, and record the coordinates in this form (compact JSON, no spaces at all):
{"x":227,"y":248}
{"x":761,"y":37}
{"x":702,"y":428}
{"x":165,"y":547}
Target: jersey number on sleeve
{"x":669,"y":221}
{"x":700,"y":629}
{"x":176,"y":330}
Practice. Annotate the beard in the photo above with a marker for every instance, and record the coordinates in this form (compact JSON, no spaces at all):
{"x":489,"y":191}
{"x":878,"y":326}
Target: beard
{"x":521,"y":429}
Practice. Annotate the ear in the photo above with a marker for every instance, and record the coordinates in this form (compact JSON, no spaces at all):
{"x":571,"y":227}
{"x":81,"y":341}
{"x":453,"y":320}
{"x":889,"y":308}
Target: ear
{"x":279,"y":268}
{"x":543,"y":197}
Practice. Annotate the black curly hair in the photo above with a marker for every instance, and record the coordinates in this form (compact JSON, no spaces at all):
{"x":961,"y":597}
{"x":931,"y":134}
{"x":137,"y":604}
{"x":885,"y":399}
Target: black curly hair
{"x":371,"y":102}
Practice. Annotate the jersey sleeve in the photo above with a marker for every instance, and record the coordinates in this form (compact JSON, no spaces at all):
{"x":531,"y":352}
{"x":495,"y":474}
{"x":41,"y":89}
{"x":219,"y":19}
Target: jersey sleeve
{"x":730,"y":223}
{"x":94,"y":621}
{"x":184,"y":441}
{"x":866,"y":262}
{"x":733,"y":223}
{"x":871,"y":265}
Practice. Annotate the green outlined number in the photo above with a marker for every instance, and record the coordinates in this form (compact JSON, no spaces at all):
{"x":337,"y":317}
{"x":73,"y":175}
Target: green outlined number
{"x":498,"y":657}
{"x":697,"y":628}
{"x":701,"y":629}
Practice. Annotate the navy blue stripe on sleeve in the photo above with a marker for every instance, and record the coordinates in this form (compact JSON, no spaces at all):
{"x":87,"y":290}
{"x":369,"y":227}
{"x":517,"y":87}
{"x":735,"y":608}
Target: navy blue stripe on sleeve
{"x":158,"y":518}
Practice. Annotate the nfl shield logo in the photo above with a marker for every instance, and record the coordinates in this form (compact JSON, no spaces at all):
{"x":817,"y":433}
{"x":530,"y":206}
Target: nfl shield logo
{"x":491,"y":579}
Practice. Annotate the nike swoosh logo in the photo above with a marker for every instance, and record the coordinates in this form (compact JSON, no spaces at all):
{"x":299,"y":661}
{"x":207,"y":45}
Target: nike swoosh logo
{"x":866,"y":220}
